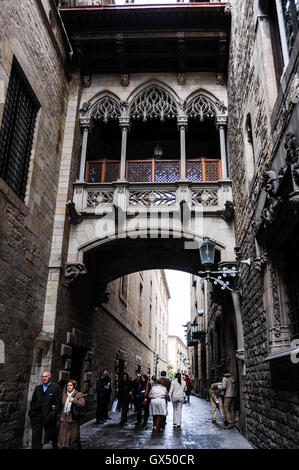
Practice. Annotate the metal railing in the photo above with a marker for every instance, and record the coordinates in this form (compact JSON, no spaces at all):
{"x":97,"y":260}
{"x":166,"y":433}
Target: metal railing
{"x":153,"y":171}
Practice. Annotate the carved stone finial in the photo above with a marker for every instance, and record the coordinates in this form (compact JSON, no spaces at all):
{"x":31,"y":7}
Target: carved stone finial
{"x":73,"y":271}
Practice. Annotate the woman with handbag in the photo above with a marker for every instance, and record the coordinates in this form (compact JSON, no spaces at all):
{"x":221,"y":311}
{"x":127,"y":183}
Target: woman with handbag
{"x":72,"y":403}
{"x":158,"y":407}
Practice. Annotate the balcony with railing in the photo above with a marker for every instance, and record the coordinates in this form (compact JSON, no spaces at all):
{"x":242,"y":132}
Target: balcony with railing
{"x":153,"y":171}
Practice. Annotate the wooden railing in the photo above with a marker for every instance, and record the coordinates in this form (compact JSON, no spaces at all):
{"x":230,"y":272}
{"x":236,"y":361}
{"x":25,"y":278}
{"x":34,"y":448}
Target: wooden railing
{"x":153,"y":171}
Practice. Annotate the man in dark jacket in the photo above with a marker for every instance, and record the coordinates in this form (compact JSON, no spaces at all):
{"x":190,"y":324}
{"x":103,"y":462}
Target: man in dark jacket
{"x":44,"y":408}
{"x":103,"y":396}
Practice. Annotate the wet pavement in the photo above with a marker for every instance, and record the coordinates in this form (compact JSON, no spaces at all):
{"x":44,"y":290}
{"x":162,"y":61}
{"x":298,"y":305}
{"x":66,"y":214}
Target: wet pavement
{"x":197,"y":432}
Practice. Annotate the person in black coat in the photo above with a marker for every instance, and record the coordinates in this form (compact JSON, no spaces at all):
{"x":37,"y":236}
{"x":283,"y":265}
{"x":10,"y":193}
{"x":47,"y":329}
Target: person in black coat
{"x":142,"y":400}
{"x":44,"y":408}
{"x":103,"y":397}
{"x":124,"y":395}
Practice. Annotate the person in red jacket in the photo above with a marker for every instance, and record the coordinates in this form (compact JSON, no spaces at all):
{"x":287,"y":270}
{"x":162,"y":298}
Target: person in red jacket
{"x":188,"y":387}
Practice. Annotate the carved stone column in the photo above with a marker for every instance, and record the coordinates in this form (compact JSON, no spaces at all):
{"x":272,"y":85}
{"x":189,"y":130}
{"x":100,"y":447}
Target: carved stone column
{"x":124,"y":124}
{"x":182,"y":126}
{"x":221,"y":122}
{"x":85,"y":124}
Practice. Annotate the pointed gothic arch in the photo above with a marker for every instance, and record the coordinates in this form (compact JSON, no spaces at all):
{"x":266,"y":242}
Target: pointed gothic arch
{"x":204,"y":105}
{"x":153,"y":102}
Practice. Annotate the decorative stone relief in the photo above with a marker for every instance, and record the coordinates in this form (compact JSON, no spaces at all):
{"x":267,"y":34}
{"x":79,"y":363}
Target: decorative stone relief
{"x":201,"y":107}
{"x":153,"y":103}
{"x":106,"y":108}
{"x":98,"y":198}
{"x":292,"y":157}
{"x":152,"y":198}
{"x":205,"y":197}
{"x":73,"y":271}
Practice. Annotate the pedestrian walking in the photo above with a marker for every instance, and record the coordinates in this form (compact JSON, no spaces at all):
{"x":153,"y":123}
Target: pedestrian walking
{"x":124,"y":395}
{"x":103,"y":387}
{"x":142,"y":400}
{"x":188,"y":387}
{"x":158,"y":396}
{"x":177,"y":395}
{"x":44,"y":409}
{"x":167,"y":383}
{"x":229,"y":387}
{"x":135,"y":389}
{"x":69,"y":431}
{"x":216,"y":399}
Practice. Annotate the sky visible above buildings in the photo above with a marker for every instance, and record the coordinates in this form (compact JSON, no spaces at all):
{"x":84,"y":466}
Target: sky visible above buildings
{"x":179,"y":303}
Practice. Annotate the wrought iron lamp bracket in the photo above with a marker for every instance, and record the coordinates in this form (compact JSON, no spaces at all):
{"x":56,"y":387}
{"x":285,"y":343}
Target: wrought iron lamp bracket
{"x":234,"y":272}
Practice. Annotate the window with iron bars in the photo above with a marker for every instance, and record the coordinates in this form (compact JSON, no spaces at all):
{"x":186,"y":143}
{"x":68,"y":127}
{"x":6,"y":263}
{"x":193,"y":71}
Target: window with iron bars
{"x":16,"y":132}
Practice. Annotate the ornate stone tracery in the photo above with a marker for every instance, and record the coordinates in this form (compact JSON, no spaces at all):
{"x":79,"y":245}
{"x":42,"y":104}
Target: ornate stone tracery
{"x":153,"y":103}
{"x":106,"y":108}
{"x":201,"y":107}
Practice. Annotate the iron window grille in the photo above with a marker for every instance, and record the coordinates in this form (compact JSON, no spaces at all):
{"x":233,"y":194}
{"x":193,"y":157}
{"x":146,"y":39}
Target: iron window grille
{"x":16,"y":132}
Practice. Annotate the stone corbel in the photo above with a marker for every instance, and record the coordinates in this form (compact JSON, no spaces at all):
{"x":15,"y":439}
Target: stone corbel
{"x":73,"y":271}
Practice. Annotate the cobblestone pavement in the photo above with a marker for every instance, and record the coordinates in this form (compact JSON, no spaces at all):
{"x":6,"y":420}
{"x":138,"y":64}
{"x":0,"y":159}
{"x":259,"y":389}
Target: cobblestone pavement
{"x":197,"y":432}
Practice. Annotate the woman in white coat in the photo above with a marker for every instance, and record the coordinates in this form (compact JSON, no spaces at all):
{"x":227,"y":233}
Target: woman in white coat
{"x":177,"y":395}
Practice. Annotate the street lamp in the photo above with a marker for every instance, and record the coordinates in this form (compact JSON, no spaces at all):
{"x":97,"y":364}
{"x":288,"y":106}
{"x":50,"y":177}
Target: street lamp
{"x":207,"y":257}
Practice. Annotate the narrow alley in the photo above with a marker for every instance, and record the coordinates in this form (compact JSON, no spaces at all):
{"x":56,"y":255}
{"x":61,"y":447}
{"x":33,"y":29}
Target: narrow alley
{"x":197,"y":432}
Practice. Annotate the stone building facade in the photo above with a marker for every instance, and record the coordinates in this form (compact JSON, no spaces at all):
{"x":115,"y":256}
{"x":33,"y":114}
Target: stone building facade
{"x":177,"y":354}
{"x":259,"y":344}
{"x":262,"y":133}
{"x":39,"y":67}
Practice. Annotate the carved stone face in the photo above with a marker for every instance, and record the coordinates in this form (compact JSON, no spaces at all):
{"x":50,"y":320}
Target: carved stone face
{"x":124,"y":80}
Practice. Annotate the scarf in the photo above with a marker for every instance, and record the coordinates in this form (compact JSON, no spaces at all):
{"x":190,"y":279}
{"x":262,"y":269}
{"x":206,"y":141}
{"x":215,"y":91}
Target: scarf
{"x":68,"y":403}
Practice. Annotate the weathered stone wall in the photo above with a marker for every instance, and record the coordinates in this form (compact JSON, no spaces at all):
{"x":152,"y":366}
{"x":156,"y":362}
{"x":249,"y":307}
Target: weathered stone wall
{"x":271,"y":404}
{"x":26,"y":228}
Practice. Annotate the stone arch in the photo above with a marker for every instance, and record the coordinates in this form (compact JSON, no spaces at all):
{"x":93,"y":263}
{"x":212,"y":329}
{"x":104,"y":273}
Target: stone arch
{"x":204,"y":105}
{"x":103,"y":107}
{"x":153,"y":100}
